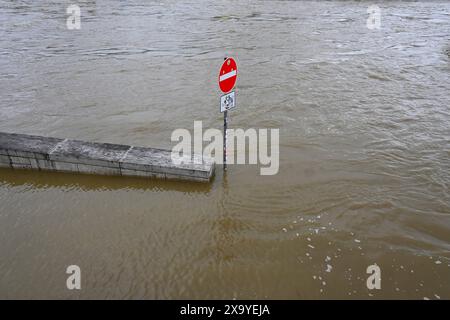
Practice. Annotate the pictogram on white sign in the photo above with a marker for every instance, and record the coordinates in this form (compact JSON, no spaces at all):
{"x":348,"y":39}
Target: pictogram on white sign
{"x":228,"y":101}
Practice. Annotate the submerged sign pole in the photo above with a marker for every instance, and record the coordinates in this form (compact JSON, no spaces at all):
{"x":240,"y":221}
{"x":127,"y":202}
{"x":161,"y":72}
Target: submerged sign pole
{"x":227,"y":80}
{"x":225,"y":127}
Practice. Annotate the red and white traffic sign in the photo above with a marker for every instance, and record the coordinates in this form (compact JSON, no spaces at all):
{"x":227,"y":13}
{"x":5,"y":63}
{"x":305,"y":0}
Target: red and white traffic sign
{"x":228,"y":75}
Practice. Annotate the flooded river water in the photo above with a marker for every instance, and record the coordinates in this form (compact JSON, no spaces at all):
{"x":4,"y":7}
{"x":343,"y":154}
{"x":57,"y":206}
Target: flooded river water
{"x":364,"y":119}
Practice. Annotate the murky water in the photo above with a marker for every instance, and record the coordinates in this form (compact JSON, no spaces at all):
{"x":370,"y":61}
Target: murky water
{"x":364,"y":149}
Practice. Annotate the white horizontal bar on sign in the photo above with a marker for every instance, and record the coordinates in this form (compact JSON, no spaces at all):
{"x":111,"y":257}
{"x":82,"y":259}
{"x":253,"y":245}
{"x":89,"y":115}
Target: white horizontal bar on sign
{"x":227,"y":75}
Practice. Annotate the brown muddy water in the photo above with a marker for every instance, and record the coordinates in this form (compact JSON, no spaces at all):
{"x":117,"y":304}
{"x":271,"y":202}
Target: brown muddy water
{"x":364,"y":174}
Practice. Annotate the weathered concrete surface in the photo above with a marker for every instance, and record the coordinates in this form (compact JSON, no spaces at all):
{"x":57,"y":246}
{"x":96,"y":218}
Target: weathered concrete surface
{"x":20,"y":151}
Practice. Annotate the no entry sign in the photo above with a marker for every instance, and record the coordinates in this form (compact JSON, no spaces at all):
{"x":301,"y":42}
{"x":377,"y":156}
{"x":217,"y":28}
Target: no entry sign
{"x":227,"y":80}
{"x":228,"y":75}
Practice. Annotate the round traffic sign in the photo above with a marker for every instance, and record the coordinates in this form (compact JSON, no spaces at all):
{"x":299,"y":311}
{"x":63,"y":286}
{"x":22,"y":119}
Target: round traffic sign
{"x":228,"y":75}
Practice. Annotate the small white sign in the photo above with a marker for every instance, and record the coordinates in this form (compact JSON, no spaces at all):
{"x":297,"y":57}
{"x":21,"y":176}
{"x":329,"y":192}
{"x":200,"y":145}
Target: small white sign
{"x":228,"y":101}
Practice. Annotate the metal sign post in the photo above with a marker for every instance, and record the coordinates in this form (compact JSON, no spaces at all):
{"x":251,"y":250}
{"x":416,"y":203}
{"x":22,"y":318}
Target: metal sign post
{"x":225,"y":126}
{"x":227,"y":80}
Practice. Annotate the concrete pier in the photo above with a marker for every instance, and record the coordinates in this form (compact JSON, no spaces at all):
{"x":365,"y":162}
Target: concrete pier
{"x":19,"y":151}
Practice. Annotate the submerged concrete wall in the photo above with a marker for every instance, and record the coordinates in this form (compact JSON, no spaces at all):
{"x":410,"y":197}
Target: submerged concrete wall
{"x":19,"y":151}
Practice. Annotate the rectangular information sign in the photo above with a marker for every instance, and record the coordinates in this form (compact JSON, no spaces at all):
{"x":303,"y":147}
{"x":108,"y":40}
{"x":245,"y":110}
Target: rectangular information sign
{"x":228,"y":101}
